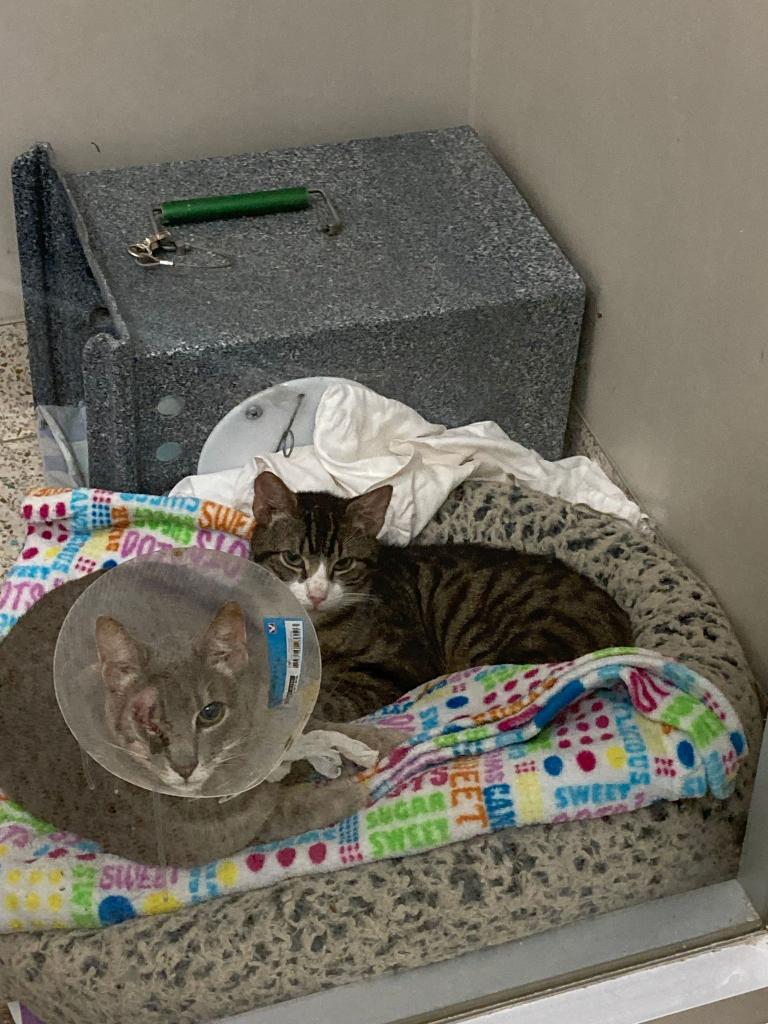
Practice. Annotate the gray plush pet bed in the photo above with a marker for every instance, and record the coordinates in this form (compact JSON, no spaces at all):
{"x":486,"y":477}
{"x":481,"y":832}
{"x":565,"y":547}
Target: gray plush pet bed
{"x":305,"y":934}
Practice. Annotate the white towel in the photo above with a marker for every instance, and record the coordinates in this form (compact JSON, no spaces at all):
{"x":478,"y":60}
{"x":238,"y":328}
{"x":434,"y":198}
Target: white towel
{"x":324,"y":748}
{"x":362,"y":440}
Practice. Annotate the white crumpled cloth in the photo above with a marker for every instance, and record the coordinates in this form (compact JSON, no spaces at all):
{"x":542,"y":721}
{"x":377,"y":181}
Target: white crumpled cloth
{"x":324,"y":749}
{"x":362,"y":440}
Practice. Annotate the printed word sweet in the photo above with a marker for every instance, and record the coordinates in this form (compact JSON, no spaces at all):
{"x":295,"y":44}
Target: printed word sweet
{"x":422,"y":831}
{"x":466,"y":794}
{"x":29,"y":572}
{"x":133,"y":877}
{"x":229,"y":520}
{"x":419,"y":836}
{"x":596,"y":793}
{"x":639,"y":800}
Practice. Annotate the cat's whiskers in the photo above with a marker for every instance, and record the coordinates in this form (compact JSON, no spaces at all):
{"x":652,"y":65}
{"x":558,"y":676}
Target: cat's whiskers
{"x":218,"y":762}
{"x":225,"y":755}
{"x":356,"y":598}
{"x":348,"y":599}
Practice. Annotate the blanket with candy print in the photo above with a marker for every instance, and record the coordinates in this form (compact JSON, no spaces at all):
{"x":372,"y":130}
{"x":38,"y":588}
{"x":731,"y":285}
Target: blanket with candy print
{"x":491,"y":747}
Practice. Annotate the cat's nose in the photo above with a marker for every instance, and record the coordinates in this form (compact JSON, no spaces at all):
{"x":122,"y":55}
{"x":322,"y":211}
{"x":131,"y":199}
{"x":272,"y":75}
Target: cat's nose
{"x":184,"y":770}
{"x":317,"y":599}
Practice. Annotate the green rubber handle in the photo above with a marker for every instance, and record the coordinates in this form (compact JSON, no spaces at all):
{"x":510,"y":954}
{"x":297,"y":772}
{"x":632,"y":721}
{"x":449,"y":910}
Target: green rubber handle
{"x":247,"y":204}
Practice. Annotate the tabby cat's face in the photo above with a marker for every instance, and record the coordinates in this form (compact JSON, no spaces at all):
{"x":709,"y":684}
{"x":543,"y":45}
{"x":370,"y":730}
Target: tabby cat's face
{"x":323,"y":547}
{"x":185,"y":712}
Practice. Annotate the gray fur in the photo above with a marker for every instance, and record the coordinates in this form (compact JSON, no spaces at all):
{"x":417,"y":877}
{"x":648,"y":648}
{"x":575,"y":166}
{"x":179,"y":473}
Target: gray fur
{"x":41,"y":767}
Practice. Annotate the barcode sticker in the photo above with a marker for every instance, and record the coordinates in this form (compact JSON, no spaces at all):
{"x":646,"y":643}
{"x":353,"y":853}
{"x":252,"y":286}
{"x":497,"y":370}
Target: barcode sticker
{"x":285,"y":651}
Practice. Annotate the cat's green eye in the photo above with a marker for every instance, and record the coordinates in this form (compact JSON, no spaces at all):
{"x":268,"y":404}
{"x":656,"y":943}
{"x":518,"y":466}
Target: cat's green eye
{"x":211,"y":714}
{"x":343,"y":564}
{"x":292,"y":558}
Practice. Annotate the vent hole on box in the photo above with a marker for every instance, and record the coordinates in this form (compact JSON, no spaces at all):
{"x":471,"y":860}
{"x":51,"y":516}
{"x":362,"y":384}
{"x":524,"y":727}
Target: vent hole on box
{"x":169,"y":451}
{"x":99,"y":317}
{"x":170,"y":406}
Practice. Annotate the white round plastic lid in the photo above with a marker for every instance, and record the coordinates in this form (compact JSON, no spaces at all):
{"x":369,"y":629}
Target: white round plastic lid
{"x":187,"y":672}
{"x":257,"y":425}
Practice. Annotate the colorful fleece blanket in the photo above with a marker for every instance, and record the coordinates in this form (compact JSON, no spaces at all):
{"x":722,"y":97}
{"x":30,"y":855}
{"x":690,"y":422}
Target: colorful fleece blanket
{"x":491,"y":748}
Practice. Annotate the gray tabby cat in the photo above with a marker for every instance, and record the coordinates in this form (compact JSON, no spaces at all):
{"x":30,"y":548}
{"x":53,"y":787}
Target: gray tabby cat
{"x":390,"y":618}
{"x":180,"y":712}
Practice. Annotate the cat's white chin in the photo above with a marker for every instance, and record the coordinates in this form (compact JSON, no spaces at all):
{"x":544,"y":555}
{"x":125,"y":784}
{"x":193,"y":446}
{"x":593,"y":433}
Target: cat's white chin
{"x":191,"y":785}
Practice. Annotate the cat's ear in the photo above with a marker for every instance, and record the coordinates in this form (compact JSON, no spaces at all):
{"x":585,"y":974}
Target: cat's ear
{"x":271,"y":497}
{"x":121,"y":658}
{"x":224,"y":644}
{"x":366,"y":513}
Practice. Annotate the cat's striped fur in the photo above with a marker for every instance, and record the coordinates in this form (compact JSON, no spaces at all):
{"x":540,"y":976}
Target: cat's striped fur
{"x":390,"y":618}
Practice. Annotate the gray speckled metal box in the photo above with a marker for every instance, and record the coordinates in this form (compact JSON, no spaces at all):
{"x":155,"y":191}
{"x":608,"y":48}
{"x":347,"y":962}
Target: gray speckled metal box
{"x":443,"y":291}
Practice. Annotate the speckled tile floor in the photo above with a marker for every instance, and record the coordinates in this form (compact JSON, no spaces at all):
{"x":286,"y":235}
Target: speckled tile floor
{"x":20,"y":466}
{"x":17,"y":417}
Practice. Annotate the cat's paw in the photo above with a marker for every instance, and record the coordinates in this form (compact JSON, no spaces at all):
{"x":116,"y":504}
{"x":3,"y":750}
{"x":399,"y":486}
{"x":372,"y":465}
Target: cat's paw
{"x":379,"y":738}
{"x":343,"y":797}
{"x":391,"y":739}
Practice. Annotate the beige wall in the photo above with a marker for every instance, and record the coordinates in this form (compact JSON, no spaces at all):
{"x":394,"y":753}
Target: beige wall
{"x":639,"y":131}
{"x":637,"y":128}
{"x":159,"y":79}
